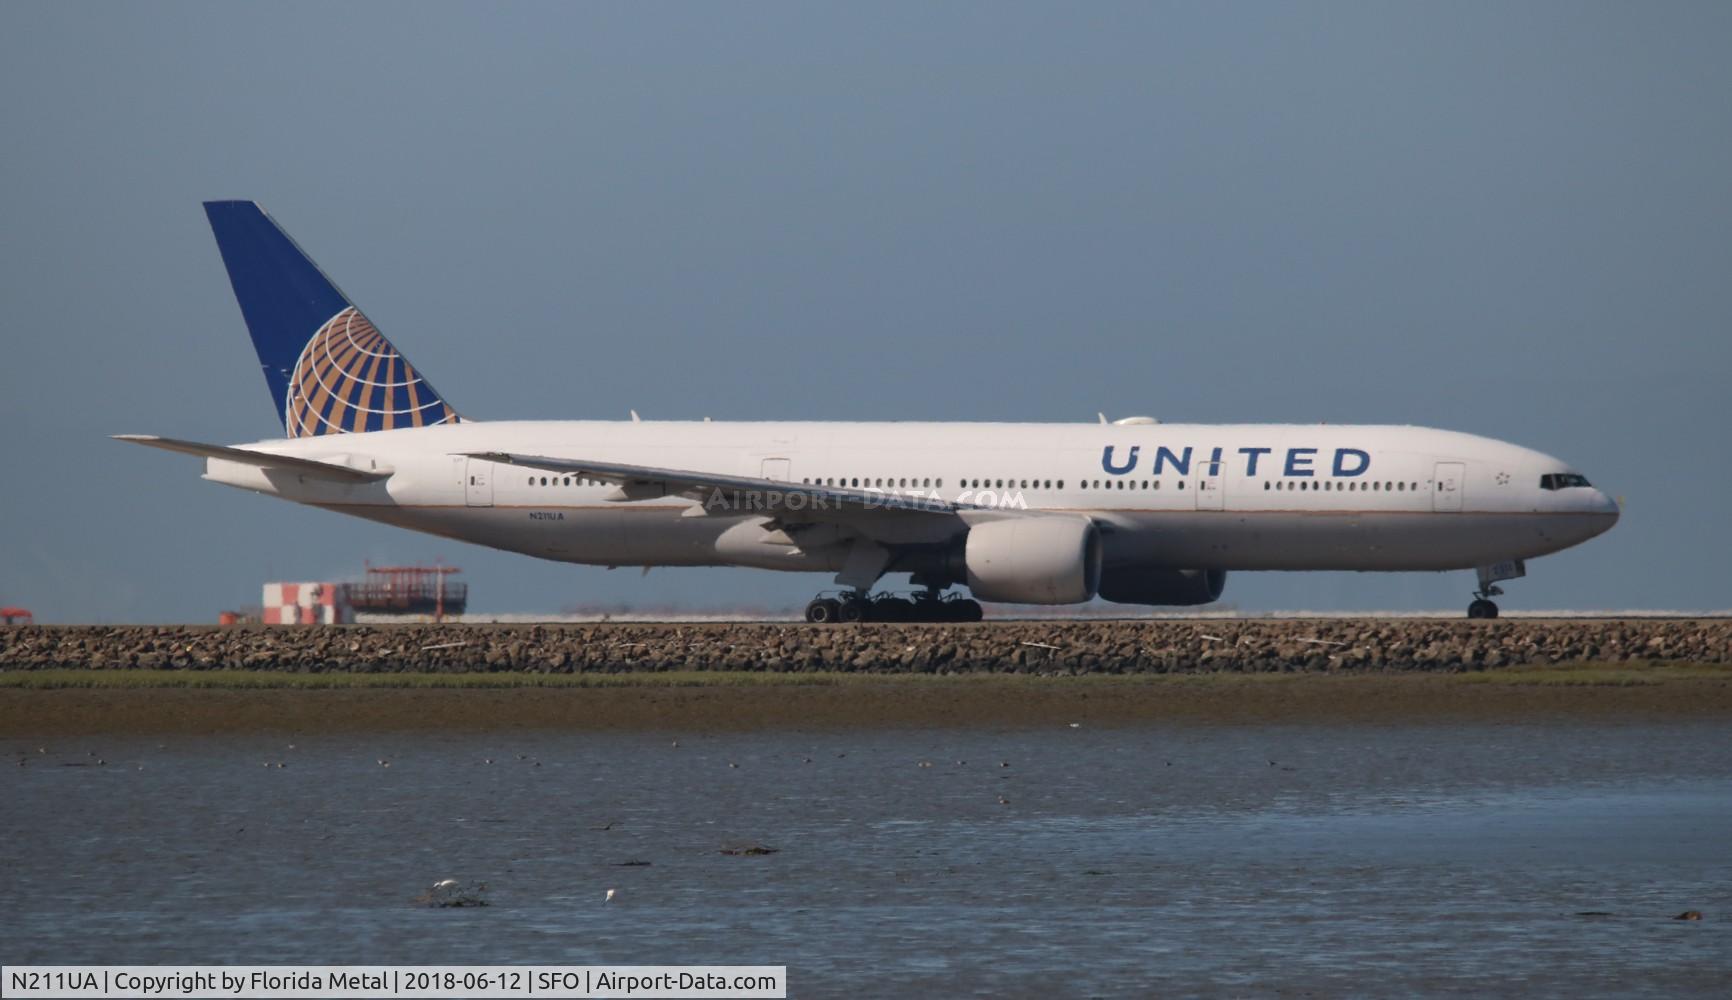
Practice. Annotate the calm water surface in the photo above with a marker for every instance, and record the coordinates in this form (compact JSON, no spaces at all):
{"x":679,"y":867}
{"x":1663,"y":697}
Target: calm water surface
{"x":1209,"y":860}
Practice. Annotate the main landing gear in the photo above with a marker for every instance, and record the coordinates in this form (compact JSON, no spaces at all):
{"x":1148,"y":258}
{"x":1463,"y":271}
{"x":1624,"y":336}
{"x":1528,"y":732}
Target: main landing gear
{"x":1482,"y":607}
{"x":920,"y":606}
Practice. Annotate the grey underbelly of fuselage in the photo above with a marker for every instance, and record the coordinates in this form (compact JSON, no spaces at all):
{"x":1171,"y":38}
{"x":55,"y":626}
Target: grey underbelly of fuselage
{"x":658,"y":534}
{"x":1290,"y":540}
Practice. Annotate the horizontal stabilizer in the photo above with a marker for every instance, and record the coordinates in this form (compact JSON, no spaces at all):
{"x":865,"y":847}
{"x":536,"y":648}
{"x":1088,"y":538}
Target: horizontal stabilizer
{"x":303,"y":466}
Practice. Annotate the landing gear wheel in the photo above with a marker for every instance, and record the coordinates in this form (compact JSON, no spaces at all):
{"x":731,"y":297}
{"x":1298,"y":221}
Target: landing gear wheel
{"x":1482,"y":608}
{"x":921,"y":606}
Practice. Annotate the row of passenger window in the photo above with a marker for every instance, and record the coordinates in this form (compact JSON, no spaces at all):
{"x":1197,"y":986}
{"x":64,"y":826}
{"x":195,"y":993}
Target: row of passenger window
{"x":870,"y":483}
{"x":983,"y":484}
{"x":1011,"y":484}
{"x":1125,"y":484}
{"x":1351,"y":485}
{"x":974,"y":482}
{"x":1025,"y":484}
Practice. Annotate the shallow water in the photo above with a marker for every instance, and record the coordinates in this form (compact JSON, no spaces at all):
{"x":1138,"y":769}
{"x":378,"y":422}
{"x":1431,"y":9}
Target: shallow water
{"x":1127,"y":860}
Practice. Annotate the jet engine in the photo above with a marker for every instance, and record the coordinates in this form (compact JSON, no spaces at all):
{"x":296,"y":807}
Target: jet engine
{"x":1130,"y":585}
{"x":1033,"y":560}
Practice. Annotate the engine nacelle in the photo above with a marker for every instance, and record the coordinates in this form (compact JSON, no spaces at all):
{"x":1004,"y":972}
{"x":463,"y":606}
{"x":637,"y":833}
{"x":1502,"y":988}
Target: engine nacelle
{"x":1034,"y":560}
{"x":1127,"y":585}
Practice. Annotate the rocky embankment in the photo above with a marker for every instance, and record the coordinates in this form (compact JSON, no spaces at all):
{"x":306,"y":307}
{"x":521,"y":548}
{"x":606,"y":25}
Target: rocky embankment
{"x":1007,"y":647}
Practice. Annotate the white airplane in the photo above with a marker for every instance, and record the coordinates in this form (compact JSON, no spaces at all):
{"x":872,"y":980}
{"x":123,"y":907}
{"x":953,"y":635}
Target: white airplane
{"x":1131,"y":511}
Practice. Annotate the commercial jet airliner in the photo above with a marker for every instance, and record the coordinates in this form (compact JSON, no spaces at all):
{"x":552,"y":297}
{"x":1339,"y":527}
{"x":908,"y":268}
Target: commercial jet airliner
{"x":1131,"y":511}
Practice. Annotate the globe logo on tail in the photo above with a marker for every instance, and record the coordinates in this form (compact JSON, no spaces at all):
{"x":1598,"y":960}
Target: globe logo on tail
{"x":349,"y":379}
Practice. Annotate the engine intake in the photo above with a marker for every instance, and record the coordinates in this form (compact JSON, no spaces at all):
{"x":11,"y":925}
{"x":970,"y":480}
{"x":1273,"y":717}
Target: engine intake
{"x":1034,"y":560}
{"x":1175,"y":587}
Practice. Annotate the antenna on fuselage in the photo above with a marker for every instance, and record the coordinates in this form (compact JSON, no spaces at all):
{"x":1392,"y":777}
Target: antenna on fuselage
{"x":634,"y":417}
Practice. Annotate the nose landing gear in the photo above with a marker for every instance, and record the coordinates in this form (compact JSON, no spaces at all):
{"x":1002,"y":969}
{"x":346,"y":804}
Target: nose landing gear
{"x":1509,"y":569}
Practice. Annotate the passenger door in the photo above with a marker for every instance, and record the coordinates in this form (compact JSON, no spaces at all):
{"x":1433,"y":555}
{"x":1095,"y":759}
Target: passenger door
{"x":1211,"y":492}
{"x":1446,"y":491}
{"x":478,"y":488}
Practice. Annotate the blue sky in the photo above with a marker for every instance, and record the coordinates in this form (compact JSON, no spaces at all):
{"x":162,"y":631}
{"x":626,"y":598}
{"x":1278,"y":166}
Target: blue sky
{"x":1513,"y":220}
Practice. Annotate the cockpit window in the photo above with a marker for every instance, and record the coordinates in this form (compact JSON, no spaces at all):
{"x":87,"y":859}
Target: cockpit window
{"x":1562,"y":480}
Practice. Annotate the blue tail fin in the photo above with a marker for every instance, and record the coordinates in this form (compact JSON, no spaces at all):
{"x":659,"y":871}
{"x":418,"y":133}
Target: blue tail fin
{"x":330,"y":370}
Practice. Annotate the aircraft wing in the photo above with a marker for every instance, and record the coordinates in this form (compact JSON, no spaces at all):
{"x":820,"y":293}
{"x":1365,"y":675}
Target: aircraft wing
{"x":733,"y":494}
{"x":302,"y":466}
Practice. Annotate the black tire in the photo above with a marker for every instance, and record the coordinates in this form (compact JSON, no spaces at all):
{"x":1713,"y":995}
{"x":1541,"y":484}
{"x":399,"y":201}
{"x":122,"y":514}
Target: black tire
{"x":823,"y":611}
{"x":851,"y":611}
{"x":896,"y":609}
{"x":969,"y":611}
{"x":1482,"y":608}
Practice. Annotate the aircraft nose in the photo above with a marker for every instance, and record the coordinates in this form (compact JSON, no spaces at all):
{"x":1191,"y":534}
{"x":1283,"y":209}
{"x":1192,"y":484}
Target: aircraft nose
{"x":1606,"y":508}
